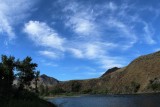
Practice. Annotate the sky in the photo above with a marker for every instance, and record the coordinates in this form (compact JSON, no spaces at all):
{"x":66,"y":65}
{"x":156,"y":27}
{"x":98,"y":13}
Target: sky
{"x":79,"y":39}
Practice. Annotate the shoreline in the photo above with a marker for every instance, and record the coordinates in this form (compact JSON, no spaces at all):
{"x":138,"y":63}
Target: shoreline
{"x":79,"y":95}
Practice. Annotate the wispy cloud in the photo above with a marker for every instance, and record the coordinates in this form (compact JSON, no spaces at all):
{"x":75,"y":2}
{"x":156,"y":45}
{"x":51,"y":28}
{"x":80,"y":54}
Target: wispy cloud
{"x":76,"y":52}
{"x":96,"y":30}
{"x":149,"y":33}
{"x":80,"y":19}
{"x":48,"y":63}
{"x":43,"y":35}
{"x":49,"y":54}
{"x":123,"y":31}
{"x":98,"y":52}
{"x":12,"y":13}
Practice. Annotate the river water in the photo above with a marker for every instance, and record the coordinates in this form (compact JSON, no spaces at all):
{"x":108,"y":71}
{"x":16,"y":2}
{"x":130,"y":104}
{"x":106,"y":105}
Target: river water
{"x":150,"y":100}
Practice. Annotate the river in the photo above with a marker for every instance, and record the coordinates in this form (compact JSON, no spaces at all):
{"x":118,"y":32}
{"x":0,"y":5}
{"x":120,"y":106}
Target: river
{"x":148,"y":100}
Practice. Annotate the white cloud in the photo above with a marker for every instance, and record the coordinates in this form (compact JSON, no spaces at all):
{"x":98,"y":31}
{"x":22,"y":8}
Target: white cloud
{"x":76,"y":52}
{"x":84,"y":21}
{"x":90,"y":50}
{"x":98,"y":52}
{"x":111,"y":6}
{"x":149,"y":34}
{"x":107,"y":62}
{"x":93,"y":22}
{"x":124,"y":31}
{"x":5,"y":27}
{"x":12,"y":13}
{"x":93,"y":51}
{"x":48,"y":63}
{"x":49,"y":54}
{"x":43,"y":35}
{"x":81,"y":20}
{"x":83,"y":24}
{"x":91,"y":27}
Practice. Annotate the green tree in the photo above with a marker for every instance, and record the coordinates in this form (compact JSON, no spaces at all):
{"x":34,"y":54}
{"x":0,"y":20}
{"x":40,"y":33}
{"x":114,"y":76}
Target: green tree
{"x":36,"y":81}
{"x":7,"y":67}
{"x":46,"y":90}
{"x":26,"y":70}
{"x":41,"y":89}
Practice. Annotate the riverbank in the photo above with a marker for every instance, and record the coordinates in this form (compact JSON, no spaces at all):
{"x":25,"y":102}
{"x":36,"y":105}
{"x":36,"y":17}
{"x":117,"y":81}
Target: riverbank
{"x":24,"y":99}
{"x":64,"y":95}
{"x":28,"y":103}
{"x":109,"y":94}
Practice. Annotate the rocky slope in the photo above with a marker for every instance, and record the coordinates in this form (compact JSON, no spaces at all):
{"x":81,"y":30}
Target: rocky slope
{"x":47,"y":81}
{"x":140,"y":76}
{"x":44,"y":80}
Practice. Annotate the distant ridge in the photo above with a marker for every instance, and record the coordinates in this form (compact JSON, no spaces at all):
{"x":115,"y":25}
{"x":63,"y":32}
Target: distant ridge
{"x":44,"y":80}
{"x":47,"y":81}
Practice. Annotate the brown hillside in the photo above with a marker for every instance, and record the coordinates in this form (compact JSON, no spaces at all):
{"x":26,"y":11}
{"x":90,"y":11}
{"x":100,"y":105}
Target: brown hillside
{"x":141,"y":71}
{"x":141,"y":75}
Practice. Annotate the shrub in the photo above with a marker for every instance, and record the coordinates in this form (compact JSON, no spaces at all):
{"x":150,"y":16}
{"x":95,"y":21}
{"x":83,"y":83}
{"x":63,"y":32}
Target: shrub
{"x":154,"y":84}
{"x":135,"y":86}
{"x":57,"y":90}
{"x":87,"y":91}
{"x":75,"y":87}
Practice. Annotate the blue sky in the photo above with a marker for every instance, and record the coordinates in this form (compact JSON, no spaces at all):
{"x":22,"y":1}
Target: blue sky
{"x":79,"y":39}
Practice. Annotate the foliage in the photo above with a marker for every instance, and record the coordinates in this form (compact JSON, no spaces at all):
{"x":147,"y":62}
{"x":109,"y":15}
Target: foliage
{"x":36,"y":81}
{"x":41,"y":90}
{"x":46,"y":90}
{"x":135,"y":86}
{"x":10,"y":96}
{"x":57,"y":90}
{"x":75,"y":87}
{"x":26,"y":99}
{"x":6,"y":75}
{"x":87,"y":91}
{"x":154,"y":84}
{"x":132,"y":88}
{"x":26,"y":71}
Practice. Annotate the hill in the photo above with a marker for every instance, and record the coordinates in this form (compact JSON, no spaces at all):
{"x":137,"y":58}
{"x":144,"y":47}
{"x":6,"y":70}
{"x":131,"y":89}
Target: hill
{"x":142,"y":75}
{"x":47,"y":81}
{"x":44,"y":80}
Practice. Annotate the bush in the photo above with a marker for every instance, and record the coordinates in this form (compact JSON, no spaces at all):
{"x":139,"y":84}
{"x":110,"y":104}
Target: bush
{"x":155,"y":86}
{"x":75,"y":86}
{"x":87,"y":91}
{"x":132,"y":88}
{"x":57,"y":90}
{"x":135,"y":86}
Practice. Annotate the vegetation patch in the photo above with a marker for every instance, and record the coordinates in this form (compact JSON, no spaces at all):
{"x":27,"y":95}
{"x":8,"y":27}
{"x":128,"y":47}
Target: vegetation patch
{"x":154,"y":84}
{"x":21,"y":95}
